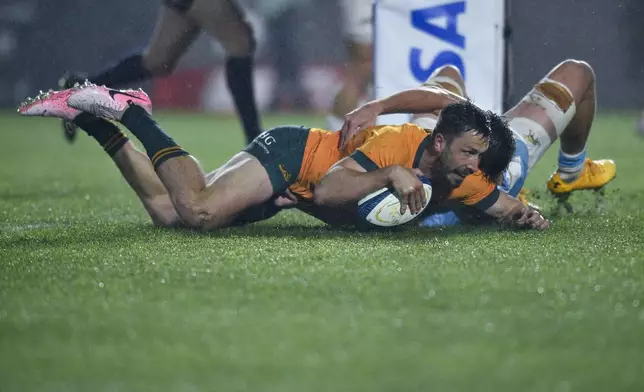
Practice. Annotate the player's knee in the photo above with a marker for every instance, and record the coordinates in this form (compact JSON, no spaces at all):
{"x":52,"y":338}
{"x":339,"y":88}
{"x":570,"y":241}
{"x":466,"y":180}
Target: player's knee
{"x":241,"y":44}
{"x":198,"y":216}
{"x":448,"y":77}
{"x":579,"y":68}
{"x":193,"y":214}
{"x":249,"y":38}
{"x":450,"y":71}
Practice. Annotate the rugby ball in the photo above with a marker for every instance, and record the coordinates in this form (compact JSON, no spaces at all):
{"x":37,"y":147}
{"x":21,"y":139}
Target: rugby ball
{"x":382,"y":207}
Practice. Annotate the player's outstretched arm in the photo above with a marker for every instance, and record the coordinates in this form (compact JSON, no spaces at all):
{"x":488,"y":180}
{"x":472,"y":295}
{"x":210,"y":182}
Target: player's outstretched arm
{"x":508,"y":210}
{"x":423,"y":99}
{"x":347,"y":181}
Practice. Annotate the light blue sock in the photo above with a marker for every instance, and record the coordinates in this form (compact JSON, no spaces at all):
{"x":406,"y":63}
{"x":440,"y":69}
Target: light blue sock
{"x":570,"y":165}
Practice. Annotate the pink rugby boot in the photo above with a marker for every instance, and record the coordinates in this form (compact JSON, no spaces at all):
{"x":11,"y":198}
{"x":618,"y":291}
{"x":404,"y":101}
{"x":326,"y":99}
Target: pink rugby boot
{"x":49,"y":104}
{"x":107,"y":103}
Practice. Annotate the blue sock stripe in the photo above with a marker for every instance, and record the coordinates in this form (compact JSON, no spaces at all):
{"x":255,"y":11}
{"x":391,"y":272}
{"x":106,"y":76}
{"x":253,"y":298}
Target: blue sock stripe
{"x":571,"y":161}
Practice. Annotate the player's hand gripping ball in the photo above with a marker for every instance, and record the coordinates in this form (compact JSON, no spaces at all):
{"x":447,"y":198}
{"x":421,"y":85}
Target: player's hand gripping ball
{"x":382,"y":207}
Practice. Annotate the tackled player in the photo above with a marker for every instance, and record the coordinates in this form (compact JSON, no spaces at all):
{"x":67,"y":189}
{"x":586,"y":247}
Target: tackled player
{"x":287,"y":166}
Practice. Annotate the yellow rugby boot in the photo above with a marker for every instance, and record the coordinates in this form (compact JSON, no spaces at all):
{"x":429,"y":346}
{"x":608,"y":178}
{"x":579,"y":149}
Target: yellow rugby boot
{"x":594,"y":175}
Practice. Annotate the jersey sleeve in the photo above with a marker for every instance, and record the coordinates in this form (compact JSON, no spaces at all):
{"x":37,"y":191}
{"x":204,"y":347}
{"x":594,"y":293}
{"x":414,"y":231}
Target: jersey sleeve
{"x":477,"y":191}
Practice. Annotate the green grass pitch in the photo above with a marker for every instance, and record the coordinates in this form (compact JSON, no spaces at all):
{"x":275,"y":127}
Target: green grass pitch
{"x":92,"y":298}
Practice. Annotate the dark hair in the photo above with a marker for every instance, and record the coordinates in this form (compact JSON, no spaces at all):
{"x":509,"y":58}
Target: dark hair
{"x":460,"y":117}
{"x":501,"y":148}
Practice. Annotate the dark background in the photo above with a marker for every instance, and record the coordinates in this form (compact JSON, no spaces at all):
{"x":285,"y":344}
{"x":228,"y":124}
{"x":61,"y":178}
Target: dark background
{"x":40,"y":39}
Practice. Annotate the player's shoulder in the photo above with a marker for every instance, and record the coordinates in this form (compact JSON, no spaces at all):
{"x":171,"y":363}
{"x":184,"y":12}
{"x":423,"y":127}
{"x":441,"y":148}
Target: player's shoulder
{"x":403,"y":131}
{"x":478,"y":178}
{"x":405,"y":128}
{"x":476,"y":182}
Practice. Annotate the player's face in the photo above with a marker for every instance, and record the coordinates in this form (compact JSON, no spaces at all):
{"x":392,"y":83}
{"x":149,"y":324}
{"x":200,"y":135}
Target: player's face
{"x":461,"y":157}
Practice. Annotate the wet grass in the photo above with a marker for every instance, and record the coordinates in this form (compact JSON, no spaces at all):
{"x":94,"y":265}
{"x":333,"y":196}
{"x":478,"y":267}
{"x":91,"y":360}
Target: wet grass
{"x":93,"y":298}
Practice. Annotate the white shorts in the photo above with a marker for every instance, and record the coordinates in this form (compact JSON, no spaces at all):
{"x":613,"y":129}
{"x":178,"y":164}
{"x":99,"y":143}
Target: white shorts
{"x":357,"y":18}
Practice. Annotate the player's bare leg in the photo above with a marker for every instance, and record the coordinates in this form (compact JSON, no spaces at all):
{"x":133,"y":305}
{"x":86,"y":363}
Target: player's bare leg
{"x":238,"y":185}
{"x":225,"y":20}
{"x":358,"y":33}
{"x":563,"y":105}
{"x":134,"y":165}
{"x":241,"y":183}
{"x":357,"y":77}
{"x":172,"y":36}
{"x":136,"y":169}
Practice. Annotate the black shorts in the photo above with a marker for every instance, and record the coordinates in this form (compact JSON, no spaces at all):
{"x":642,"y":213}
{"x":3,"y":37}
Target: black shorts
{"x":281,"y":151}
{"x":181,"y":6}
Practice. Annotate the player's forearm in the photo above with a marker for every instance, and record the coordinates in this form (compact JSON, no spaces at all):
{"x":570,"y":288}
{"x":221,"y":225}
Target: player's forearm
{"x":511,"y":215}
{"x":418,"y":100}
{"x":506,"y":209}
{"x":510,"y":211}
{"x":339,"y":216}
{"x":342,"y":185}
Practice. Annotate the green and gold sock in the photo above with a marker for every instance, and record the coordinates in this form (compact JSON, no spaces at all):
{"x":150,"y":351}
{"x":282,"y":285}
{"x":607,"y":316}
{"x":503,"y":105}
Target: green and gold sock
{"x":107,"y":134}
{"x":159,"y":146}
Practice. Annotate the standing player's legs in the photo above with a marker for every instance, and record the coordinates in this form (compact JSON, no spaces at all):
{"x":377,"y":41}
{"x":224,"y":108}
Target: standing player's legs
{"x":225,"y":21}
{"x":562,"y":105}
{"x":357,"y":15}
{"x":172,"y":36}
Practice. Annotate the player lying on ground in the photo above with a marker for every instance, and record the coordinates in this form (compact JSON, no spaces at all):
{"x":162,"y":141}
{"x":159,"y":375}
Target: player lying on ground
{"x":286,"y":166}
{"x":179,"y":23}
{"x":562,"y":105}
